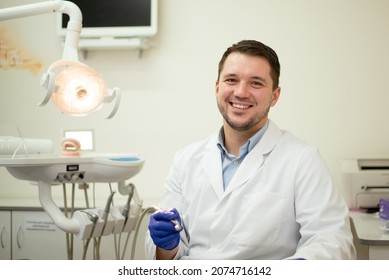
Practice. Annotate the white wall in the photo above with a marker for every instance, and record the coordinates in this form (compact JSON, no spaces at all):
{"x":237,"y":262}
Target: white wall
{"x":334,"y":59}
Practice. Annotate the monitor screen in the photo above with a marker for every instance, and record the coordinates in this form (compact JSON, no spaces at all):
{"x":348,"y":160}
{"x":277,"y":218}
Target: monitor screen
{"x":114,"y":18}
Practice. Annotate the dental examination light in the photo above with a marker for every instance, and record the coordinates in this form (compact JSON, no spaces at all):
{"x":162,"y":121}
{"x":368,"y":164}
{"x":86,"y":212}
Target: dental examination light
{"x":74,"y":87}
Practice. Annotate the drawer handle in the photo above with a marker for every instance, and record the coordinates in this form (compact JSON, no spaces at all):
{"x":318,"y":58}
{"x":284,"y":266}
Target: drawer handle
{"x":3,"y":236}
{"x":19,"y":236}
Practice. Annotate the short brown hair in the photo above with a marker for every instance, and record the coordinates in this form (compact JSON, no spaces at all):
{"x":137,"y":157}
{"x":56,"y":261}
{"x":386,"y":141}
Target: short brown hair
{"x":255,"y":48}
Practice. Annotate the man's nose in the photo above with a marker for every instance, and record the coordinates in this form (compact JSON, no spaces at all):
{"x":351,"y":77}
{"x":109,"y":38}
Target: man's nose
{"x":241,"y":90}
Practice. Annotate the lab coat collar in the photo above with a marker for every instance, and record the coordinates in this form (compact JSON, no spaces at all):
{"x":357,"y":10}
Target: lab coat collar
{"x":213,"y":167}
{"x":247,"y":147}
{"x":255,"y":158}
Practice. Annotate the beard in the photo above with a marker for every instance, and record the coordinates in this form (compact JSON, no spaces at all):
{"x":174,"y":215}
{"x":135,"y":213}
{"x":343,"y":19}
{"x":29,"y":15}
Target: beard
{"x":247,"y":125}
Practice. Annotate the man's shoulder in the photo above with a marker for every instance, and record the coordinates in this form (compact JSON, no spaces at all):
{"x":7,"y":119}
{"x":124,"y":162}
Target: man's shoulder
{"x":198,"y":148}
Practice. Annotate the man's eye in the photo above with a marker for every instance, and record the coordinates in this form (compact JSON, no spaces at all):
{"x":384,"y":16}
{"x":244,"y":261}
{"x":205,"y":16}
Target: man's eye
{"x":230,"y":81}
{"x":257,"y":84}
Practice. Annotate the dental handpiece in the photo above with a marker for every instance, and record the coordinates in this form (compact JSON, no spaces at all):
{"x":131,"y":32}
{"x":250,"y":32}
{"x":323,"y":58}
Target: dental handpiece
{"x":107,"y":207}
{"x":175,"y":222}
{"x":177,"y":225}
{"x":126,"y":208}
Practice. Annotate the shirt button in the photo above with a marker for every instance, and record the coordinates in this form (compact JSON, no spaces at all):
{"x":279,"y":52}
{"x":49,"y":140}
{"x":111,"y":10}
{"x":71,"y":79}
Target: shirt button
{"x":235,"y":162}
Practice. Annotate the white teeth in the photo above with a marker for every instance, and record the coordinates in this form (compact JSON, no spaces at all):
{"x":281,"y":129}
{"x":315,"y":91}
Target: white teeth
{"x":239,"y":106}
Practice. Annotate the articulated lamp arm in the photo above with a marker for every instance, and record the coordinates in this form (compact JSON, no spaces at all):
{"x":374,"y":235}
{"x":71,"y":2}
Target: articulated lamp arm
{"x":80,"y":90}
{"x":73,"y":28}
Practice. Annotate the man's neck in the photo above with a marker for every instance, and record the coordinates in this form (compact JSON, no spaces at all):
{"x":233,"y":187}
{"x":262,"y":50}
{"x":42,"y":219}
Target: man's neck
{"x":233,"y":142}
{"x":234,"y":139}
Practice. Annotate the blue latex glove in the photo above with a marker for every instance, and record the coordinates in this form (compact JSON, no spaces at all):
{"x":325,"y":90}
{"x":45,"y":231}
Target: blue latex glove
{"x":162,"y":229}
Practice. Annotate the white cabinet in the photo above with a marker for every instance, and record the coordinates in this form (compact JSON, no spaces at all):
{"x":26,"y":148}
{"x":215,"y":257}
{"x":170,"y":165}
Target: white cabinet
{"x":36,"y":237}
{"x":31,"y":234}
{"x":368,"y":233}
{"x":5,"y":235}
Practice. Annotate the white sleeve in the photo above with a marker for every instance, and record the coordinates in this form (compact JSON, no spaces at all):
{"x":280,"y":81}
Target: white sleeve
{"x":321,"y":212}
{"x":172,"y":199}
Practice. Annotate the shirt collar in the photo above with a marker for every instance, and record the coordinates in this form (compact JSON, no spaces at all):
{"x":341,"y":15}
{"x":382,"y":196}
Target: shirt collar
{"x":248,"y":146}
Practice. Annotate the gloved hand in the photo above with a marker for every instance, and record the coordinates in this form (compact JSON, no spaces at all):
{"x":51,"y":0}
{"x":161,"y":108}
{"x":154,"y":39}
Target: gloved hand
{"x":162,"y":229}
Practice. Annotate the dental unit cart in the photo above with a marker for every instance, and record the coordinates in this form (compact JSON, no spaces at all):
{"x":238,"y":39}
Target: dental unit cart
{"x":90,"y":223}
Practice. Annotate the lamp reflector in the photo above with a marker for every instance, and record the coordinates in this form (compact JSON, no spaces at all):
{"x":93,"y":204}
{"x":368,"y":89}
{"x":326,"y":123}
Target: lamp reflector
{"x":79,"y":90}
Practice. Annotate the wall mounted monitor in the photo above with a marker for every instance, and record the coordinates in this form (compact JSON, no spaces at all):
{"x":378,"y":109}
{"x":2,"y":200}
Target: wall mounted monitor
{"x":114,"y":18}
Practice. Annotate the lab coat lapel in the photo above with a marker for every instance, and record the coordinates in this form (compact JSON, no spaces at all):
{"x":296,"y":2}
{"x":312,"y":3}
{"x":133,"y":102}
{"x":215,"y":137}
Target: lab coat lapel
{"x":255,"y":157}
{"x":247,"y":169}
{"x":211,"y":163}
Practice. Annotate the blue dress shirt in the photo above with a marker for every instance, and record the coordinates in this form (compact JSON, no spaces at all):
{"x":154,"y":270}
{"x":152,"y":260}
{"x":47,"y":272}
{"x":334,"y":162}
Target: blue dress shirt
{"x":231,"y":163}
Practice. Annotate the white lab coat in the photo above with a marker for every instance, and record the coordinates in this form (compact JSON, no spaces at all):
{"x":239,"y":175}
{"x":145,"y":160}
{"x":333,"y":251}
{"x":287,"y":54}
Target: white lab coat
{"x":280,"y":204}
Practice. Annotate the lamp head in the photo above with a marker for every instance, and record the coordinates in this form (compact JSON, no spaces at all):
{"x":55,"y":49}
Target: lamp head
{"x":78,"y":90}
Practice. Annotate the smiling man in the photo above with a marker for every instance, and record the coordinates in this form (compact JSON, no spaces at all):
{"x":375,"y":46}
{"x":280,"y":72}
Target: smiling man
{"x":252,"y":190}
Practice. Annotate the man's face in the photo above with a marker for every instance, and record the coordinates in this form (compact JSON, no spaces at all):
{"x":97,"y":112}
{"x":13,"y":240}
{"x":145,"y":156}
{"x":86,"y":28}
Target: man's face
{"x":244,"y":92}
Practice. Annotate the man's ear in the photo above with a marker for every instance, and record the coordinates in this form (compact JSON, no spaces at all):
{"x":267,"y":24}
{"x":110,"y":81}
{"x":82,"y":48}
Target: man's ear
{"x":216,"y":87}
{"x":275,"y":96}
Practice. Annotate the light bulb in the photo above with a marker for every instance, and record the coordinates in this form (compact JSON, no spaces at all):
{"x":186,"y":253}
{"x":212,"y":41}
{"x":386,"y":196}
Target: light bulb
{"x":79,"y":90}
